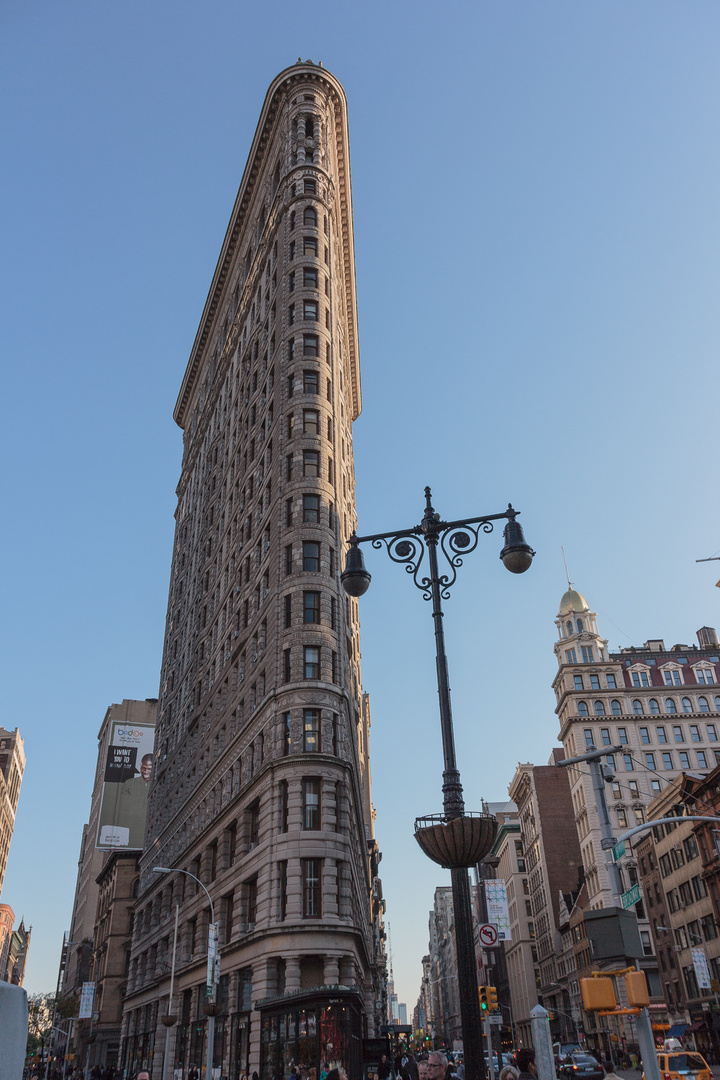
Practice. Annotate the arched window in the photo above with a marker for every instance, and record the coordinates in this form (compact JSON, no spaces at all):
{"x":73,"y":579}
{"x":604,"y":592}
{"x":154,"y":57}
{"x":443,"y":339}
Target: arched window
{"x":670,"y":705}
{"x":569,"y":627}
{"x":309,"y":127}
{"x":717,"y":704}
{"x":579,"y":626}
{"x":582,"y":708}
{"x":703,"y":704}
{"x":637,"y":707}
{"x":616,"y":707}
{"x":654,"y":706}
{"x":309,"y":216}
{"x":687,"y":704}
{"x":599,"y":708}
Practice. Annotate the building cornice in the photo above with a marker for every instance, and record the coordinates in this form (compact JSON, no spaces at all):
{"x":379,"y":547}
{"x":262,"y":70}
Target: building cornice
{"x":274,"y":99}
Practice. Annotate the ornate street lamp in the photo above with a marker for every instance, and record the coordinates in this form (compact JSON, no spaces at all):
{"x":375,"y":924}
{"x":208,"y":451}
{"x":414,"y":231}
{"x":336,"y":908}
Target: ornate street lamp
{"x":455,"y":839}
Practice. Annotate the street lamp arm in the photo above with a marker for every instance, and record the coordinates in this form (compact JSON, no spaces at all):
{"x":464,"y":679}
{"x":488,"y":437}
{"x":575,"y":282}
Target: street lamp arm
{"x":442,"y":526}
{"x":661,"y":821}
{"x":176,"y":870}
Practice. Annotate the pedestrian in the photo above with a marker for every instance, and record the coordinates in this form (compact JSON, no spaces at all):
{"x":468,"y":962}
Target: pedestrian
{"x":509,"y":1072}
{"x":384,"y":1068}
{"x":437,"y":1065}
{"x":525,"y":1061}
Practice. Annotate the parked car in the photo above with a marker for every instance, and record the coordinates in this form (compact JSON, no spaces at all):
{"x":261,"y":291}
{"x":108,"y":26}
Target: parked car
{"x":683,"y":1065}
{"x":581,"y":1067}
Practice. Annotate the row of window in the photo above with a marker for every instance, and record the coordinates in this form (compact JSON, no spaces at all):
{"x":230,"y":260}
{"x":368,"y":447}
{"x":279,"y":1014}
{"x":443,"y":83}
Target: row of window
{"x":678,"y":855}
{"x":310,"y":279}
{"x":668,"y":762}
{"x":586,"y":652}
{"x":310,"y":313}
{"x":312,"y":663}
{"x":311,"y":466}
{"x":673,"y":677}
{"x":309,"y":218}
{"x":311,"y":556}
{"x":608,"y":739}
{"x":309,"y":246}
{"x":579,"y":681}
{"x":623,"y":819}
{"x":701,"y":705}
{"x":310,"y":609}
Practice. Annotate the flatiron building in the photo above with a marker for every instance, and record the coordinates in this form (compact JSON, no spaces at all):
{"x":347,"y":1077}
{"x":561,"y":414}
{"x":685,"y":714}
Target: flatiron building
{"x":261,"y":785}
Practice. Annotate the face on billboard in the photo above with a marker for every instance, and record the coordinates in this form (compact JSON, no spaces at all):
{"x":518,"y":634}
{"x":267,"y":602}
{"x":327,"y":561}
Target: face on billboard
{"x":128,"y":772}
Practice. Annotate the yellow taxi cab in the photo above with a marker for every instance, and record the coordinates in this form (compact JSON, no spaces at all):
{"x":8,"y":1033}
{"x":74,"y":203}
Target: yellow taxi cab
{"x":683,"y":1065}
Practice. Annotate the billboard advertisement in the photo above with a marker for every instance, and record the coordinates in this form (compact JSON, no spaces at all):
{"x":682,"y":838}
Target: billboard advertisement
{"x":497,"y":907}
{"x":128,"y":772}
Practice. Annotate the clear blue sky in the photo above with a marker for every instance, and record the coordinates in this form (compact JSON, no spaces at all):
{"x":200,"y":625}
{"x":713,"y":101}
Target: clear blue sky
{"x":537,"y":233}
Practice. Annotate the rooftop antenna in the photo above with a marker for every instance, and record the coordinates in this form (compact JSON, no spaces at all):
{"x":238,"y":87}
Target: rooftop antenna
{"x":567,"y":573}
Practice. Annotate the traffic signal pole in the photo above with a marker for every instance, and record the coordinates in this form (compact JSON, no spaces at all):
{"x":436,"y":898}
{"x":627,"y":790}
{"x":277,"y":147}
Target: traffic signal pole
{"x":646,"y":1039}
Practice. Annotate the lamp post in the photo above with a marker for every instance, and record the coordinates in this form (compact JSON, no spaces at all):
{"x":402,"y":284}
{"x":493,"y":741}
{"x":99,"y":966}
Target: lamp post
{"x":454,"y":839}
{"x":210,"y":1008}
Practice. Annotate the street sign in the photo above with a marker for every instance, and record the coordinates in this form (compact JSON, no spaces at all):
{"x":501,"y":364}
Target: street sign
{"x":619,"y":850}
{"x":702,"y":973}
{"x":631,"y":896}
{"x":86,"y":1000}
{"x":488,"y":935}
{"x":495,"y":1018}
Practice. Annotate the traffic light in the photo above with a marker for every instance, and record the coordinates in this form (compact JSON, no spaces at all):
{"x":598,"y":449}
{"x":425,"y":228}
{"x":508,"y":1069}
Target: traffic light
{"x":597,"y":994}
{"x":491,"y":997}
{"x":636,"y":989}
{"x":484,"y":1004}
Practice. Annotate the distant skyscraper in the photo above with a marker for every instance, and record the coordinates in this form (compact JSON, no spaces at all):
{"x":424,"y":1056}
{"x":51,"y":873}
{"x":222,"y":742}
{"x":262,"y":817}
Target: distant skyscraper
{"x":12,"y":767}
{"x":262,"y":785}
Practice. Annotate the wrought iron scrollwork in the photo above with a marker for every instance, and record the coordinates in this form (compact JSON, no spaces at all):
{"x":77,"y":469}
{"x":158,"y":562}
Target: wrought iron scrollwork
{"x":455,"y":543}
{"x":408,"y":549}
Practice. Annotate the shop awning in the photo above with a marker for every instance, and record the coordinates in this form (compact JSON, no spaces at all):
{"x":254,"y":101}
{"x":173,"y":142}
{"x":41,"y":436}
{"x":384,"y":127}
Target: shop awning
{"x":699,"y":1025}
{"x":677,"y":1030}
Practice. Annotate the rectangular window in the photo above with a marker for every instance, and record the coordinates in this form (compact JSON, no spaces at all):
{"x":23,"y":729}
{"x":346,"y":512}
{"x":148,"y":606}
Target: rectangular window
{"x":605,"y":735}
{"x":622,"y":819}
{"x":712,"y":733}
{"x":667,"y":761}
{"x":311,"y":508}
{"x":578,"y":680}
{"x":311,"y":347}
{"x":291,"y":281}
{"x":628,"y":762}
{"x":650,"y":761}
{"x":284,"y":791}
{"x":662,"y":737}
{"x":333,"y":613}
{"x":622,"y":736}
{"x":684,"y":760}
{"x":310,"y":382}
{"x":289,"y":467}
{"x":312,"y":661}
{"x":639,"y":817}
{"x":702,"y":760}
{"x":310,"y":311}
{"x":310,"y":277}
{"x":672,"y":678}
{"x":311,"y":804}
{"x":699,"y":888}
{"x":311,"y":463}
{"x":309,"y":187}
{"x":288,"y":560}
{"x":640,"y":678}
{"x":311,"y":730}
{"x":311,"y":556}
{"x":282,"y":887}
{"x":310,"y":245}
{"x":694,"y":733}
{"x":311,"y":607}
{"x":610,"y":762}
{"x":292,"y":250}
{"x":291,"y":314}
{"x":288,"y":513}
{"x":287,"y":666}
{"x":311,"y":879}
{"x":616,"y":790}
{"x":334,"y":666}
{"x":678,"y":733}
{"x":594,"y":682}
{"x":287,"y":734}
{"x":288,"y":610}
{"x":634,"y":790}
{"x":611,"y":681}
{"x":570,"y":656}
{"x":587,"y":654}
{"x":644,"y":736}
{"x":250,"y":897}
{"x":311,"y":422}
{"x":589,"y":740}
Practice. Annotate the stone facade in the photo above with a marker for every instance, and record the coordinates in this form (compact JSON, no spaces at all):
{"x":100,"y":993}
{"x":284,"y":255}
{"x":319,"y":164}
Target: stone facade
{"x":262,"y":783}
{"x":12,"y":767}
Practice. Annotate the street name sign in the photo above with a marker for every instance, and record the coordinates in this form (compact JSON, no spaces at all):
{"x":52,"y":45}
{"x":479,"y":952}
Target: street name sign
{"x":631,"y":896}
{"x":619,"y":850}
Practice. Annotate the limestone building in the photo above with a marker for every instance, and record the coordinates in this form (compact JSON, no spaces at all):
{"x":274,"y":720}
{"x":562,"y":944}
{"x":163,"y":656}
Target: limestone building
{"x":12,"y":767}
{"x":262,"y":782}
